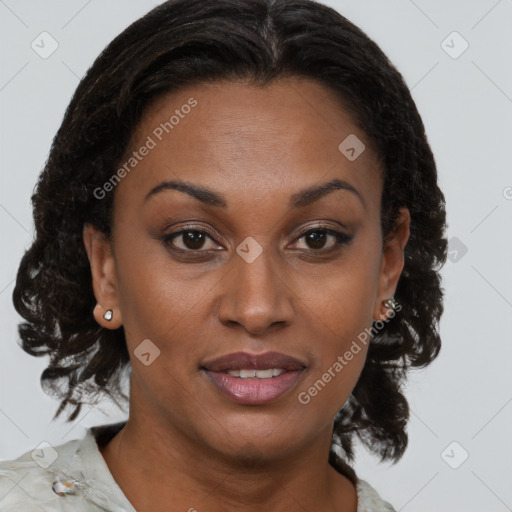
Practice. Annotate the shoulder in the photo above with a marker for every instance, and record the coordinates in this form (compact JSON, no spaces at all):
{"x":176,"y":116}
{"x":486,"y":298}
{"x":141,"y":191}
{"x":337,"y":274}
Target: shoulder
{"x":368,"y":499}
{"x":70,"y":476}
{"x":26,"y":482}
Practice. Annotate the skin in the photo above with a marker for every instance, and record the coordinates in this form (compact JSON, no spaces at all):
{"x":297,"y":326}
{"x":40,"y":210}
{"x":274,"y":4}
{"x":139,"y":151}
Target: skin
{"x":196,"y":449}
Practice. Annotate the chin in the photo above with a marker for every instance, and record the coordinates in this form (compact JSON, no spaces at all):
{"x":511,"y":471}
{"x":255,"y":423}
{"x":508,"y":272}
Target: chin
{"x":258,"y":447}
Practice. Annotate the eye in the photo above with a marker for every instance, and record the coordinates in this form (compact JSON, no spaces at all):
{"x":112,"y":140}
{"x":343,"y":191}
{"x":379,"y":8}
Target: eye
{"x":319,"y":239}
{"x":189,"y":240}
{"x":322,"y":239}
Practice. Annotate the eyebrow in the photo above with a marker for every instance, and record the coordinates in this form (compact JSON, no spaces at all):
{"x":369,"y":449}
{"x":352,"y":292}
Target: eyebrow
{"x":298,"y":200}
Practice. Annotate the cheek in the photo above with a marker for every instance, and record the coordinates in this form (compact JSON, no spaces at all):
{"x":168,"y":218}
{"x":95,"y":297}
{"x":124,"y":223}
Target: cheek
{"x":340,"y":358}
{"x":342,"y":300}
{"x":341,"y":308}
{"x":158,"y":300}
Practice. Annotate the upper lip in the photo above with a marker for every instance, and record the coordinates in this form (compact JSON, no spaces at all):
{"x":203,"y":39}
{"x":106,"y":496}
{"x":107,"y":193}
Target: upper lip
{"x":244,"y":360}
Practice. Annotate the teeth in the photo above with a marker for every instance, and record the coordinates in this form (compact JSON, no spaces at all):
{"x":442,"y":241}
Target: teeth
{"x":264,"y":374}
{"x":259,"y":374}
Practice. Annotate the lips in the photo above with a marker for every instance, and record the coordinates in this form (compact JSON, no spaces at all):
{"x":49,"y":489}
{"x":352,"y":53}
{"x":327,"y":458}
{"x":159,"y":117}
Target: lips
{"x":245,"y":361}
{"x":252,"y":379}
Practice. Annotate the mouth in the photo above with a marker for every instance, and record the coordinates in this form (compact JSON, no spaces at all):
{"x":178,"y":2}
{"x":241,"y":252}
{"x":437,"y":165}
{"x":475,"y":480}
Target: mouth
{"x":252,"y":379}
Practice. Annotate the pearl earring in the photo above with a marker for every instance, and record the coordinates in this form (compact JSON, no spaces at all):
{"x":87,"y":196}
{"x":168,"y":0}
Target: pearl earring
{"x":108,"y":315}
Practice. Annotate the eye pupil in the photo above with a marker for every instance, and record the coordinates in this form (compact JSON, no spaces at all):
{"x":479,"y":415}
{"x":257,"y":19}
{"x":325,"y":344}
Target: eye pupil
{"x":317,"y":238}
{"x":197,"y":238}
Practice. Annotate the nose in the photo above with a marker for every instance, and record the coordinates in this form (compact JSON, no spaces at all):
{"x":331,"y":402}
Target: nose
{"x":256,"y":296}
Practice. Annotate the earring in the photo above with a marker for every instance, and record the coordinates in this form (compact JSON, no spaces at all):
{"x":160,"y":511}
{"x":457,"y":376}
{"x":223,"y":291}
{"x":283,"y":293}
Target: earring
{"x":108,"y":315}
{"x":390,"y":303}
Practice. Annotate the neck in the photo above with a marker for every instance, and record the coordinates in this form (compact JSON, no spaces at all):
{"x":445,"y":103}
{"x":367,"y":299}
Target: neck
{"x":174,"y":469}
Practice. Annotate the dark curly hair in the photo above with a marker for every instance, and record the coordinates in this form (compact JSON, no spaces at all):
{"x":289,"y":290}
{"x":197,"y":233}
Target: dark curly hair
{"x":189,"y":42}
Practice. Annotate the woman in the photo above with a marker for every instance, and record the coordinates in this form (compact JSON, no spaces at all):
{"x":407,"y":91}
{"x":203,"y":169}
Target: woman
{"x":240,"y":212}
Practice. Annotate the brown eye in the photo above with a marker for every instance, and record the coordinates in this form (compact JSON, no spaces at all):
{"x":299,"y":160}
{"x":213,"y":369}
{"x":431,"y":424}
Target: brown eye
{"x":193,"y":239}
{"x":320,"y":239}
{"x":189,"y":240}
{"x":316,"y":239}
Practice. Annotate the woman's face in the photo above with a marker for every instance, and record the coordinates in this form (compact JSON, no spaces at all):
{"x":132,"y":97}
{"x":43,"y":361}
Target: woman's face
{"x":220,"y":255}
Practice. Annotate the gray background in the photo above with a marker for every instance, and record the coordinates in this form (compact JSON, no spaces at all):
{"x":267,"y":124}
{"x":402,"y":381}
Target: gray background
{"x":466,"y":104}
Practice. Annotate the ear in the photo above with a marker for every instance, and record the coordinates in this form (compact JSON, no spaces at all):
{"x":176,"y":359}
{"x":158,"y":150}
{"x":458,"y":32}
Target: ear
{"x":392,"y":262}
{"x":104,"y":283}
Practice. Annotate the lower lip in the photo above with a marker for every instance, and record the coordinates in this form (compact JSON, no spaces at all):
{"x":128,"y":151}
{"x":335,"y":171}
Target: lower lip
{"x":254,"y":391}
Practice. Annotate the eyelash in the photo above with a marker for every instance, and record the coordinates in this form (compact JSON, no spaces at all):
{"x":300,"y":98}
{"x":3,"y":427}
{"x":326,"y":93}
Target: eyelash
{"x":340,"y":239}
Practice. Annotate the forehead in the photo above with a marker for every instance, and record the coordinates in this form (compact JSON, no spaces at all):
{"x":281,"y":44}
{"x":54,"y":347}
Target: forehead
{"x":250,"y":139}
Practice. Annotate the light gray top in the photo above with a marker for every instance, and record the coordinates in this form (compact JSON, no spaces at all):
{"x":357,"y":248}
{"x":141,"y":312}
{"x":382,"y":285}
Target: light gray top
{"x":74,"y":477}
